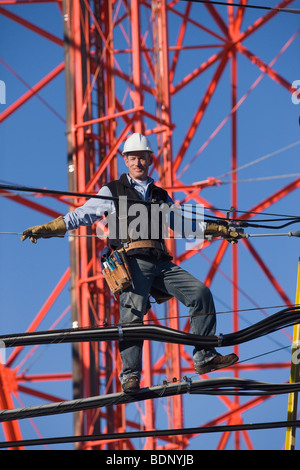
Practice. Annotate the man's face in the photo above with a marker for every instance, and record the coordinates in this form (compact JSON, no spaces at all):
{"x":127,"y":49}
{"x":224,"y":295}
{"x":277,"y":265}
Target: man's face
{"x":138,"y":164}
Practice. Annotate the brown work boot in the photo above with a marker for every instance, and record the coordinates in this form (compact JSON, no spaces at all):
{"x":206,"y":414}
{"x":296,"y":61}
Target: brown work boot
{"x":218,"y":362}
{"x":131,"y":385}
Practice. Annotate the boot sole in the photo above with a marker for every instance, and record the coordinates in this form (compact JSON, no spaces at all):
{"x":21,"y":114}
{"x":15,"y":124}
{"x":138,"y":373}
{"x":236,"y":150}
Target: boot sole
{"x":208,"y":368}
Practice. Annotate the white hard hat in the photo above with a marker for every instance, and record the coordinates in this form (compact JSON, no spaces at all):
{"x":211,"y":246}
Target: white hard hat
{"x":137,"y":143}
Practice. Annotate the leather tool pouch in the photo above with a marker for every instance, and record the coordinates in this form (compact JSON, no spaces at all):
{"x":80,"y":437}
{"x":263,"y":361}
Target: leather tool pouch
{"x":116,"y":271}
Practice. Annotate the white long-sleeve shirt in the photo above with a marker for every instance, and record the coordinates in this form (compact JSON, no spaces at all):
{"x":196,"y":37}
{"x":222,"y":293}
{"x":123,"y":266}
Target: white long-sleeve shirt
{"x":94,"y":209}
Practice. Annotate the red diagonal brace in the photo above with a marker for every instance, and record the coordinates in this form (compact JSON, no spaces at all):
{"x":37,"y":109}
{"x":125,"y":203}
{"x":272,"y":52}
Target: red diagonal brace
{"x":32,"y":205}
{"x":49,"y":302}
{"x":30,"y":93}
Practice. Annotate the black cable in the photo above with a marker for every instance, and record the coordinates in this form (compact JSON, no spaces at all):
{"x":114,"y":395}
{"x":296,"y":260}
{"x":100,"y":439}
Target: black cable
{"x":274,"y":227}
{"x":243,"y":223}
{"x":56,"y":192}
{"x":220,"y":386}
{"x":155,"y":433}
{"x":256,"y":7}
{"x":134,"y":332}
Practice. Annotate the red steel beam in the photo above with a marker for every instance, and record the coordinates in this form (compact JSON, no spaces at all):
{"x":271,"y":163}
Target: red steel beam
{"x":41,"y":314}
{"x":11,"y":429}
{"x":196,"y":73}
{"x":179,"y":42}
{"x":232,"y":40}
{"x":272,"y":199}
{"x":265,"y":68}
{"x":33,"y":91}
{"x":268,"y":273}
{"x":218,"y":19}
{"x":200,"y":112}
{"x":27,"y":2}
{"x":31,"y":204}
{"x":260,"y":22}
{"x":39,"y":394}
{"x":136,"y":92}
{"x":165,"y":172}
{"x":31,"y":26}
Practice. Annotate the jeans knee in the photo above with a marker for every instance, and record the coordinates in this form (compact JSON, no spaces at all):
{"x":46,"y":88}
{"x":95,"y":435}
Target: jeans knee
{"x":203,"y":298}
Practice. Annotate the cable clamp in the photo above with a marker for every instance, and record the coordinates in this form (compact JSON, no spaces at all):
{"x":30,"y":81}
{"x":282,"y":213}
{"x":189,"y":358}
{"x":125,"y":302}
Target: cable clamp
{"x":120,"y":333}
{"x":220,"y":340}
{"x":188,"y":381}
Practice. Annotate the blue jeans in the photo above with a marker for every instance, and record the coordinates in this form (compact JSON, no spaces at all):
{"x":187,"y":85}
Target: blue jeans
{"x":171,"y":279}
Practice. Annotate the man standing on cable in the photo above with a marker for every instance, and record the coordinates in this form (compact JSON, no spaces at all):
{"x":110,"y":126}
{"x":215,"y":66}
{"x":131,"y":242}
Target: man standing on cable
{"x":150,"y":265}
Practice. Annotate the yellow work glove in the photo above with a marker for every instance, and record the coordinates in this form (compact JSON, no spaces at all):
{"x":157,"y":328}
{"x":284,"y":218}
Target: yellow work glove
{"x":48,"y":230}
{"x":220,"y":230}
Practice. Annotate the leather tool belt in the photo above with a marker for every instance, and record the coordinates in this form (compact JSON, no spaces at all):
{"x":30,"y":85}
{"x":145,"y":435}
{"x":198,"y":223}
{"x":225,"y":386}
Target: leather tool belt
{"x":144,"y":244}
{"x":116,"y":269}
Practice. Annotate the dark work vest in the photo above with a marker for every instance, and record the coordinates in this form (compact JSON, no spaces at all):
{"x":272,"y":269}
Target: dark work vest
{"x":122,"y":187}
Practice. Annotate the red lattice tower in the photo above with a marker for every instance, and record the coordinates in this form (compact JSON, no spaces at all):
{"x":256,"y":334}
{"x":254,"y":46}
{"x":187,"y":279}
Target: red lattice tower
{"x":126,"y":64}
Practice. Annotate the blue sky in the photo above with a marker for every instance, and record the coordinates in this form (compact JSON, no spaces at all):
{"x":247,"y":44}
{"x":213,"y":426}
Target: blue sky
{"x":33,"y":153}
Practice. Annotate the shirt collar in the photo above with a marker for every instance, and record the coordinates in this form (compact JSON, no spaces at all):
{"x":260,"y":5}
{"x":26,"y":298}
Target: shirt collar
{"x":133,"y":182}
